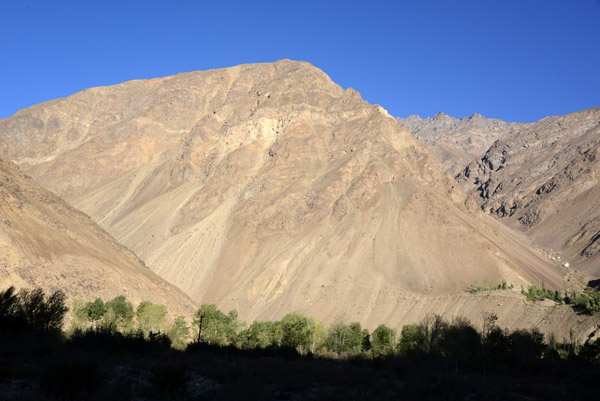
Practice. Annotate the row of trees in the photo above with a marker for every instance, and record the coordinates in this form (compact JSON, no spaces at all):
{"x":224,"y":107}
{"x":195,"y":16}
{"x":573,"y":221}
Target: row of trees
{"x":119,"y":315}
{"x":588,"y":300}
{"x":503,"y":285}
{"x":32,"y":309}
{"x":294,"y":331}
{"x":432,"y":338}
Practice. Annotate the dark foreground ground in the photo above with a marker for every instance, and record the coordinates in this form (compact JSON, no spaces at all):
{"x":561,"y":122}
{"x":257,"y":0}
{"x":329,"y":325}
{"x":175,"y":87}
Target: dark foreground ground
{"x":40,"y":367}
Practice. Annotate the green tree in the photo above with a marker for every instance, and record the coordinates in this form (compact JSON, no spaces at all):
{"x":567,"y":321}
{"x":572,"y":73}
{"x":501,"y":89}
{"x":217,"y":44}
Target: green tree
{"x":526,"y":346}
{"x":412,"y":340}
{"x":297,"y":331}
{"x":433,"y":329}
{"x":258,"y":335}
{"x":558,"y":297}
{"x":152,"y":318}
{"x":590,"y":352}
{"x":344,"y":338}
{"x":496,"y":344}
{"x":337,"y":337}
{"x":460,"y":341}
{"x":179,"y":333}
{"x":276,"y":333}
{"x":119,"y":314}
{"x":215,"y":327}
{"x":95,"y":311}
{"x":384,"y":340}
{"x":233,"y":327}
{"x":261,"y":334}
{"x":355,"y":338}
{"x":366,"y":340}
{"x":79,"y":317}
{"x":318,"y":334}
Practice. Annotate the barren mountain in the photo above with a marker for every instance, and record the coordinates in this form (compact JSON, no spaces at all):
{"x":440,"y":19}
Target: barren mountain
{"x":270,"y":189}
{"x":543,"y":178}
{"x":456,"y":142}
{"x":48,"y":244}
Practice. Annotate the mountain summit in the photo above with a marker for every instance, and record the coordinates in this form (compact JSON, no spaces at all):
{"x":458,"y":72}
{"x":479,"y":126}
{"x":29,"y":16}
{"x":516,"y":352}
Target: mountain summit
{"x":270,"y":189}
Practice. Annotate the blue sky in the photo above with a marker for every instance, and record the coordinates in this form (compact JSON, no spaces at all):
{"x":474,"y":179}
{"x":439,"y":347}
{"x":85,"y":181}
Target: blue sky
{"x":517,"y":60}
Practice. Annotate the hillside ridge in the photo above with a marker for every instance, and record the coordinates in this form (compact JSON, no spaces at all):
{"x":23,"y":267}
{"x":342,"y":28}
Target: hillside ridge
{"x":47,"y":243}
{"x":268,"y":188}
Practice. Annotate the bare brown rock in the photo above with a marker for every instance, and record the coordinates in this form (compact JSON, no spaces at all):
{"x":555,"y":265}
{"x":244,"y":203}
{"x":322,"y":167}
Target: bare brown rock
{"x":269,"y":189}
{"x":46,"y":243}
{"x":543,"y":179}
{"x":456,"y":142}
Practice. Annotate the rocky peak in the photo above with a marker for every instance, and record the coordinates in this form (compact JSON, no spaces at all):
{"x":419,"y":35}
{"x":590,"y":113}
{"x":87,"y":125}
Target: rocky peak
{"x":542,"y":178}
{"x":267,"y":188}
{"x":456,"y":142}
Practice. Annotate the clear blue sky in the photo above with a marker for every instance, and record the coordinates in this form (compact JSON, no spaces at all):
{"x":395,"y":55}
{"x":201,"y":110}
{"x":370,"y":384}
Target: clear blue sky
{"x":519,"y":60}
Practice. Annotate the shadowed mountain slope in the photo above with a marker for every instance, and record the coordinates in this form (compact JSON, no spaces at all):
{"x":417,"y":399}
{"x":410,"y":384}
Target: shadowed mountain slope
{"x":46,"y":243}
{"x":270,"y":189}
{"x":543,"y":179}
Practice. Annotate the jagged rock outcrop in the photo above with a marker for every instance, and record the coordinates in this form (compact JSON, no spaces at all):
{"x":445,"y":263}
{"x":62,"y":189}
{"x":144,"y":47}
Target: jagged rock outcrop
{"x":456,"y":142}
{"x":543,"y":179}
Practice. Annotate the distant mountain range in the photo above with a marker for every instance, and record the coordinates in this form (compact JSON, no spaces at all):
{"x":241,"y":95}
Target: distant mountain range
{"x":270,"y":189}
{"x":456,"y":142}
{"x":541,"y":178}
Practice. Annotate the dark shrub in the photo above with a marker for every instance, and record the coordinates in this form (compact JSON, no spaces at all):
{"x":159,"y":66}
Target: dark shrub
{"x":526,"y":346}
{"x":41,"y":313}
{"x":70,"y":378}
{"x":170,"y":379}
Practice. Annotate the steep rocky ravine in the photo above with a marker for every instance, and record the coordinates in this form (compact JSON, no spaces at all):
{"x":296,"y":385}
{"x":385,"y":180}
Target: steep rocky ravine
{"x":543,"y":180}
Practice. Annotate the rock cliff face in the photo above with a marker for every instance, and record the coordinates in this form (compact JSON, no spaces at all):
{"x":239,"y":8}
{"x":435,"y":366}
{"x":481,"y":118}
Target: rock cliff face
{"x":46,"y":243}
{"x":270,"y":189}
{"x":543,"y":179}
{"x":456,"y":142}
